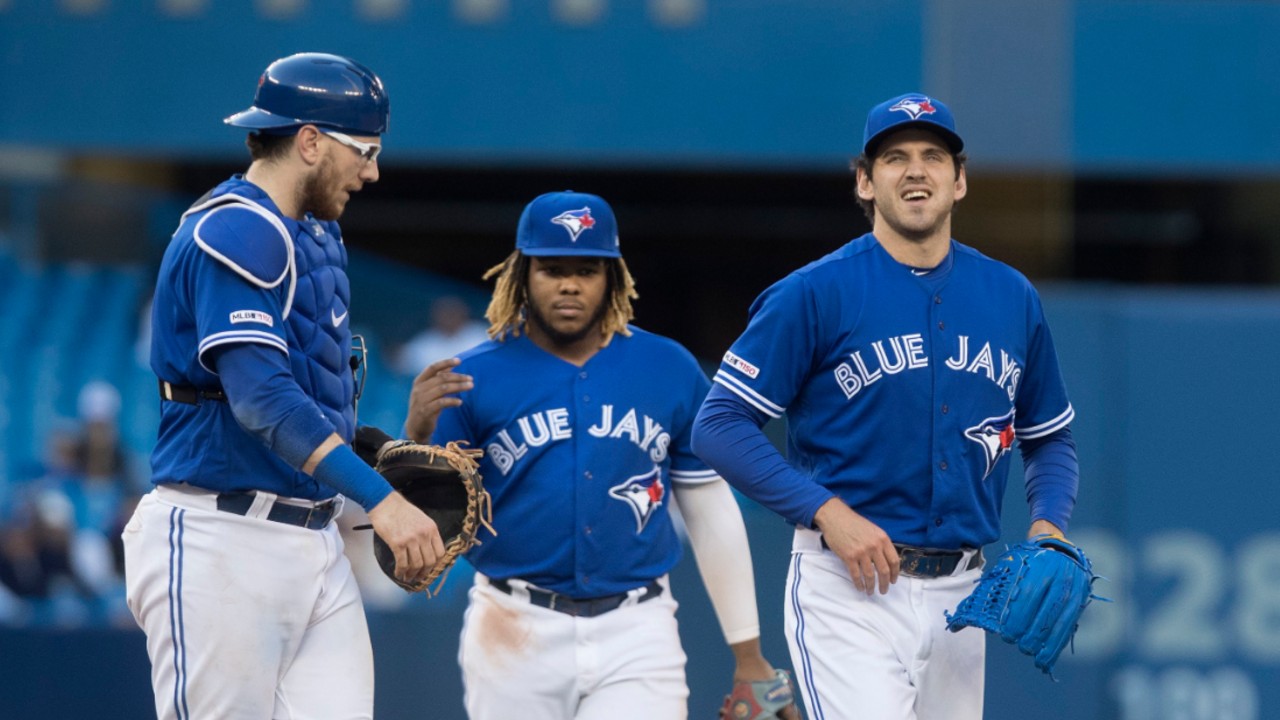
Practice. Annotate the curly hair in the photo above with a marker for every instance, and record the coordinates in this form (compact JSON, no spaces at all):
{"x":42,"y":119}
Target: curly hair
{"x":507,"y":311}
{"x":264,"y":146}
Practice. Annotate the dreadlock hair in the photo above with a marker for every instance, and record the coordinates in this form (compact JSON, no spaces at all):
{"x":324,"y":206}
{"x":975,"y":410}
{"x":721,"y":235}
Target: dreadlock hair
{"x":507,"y":310}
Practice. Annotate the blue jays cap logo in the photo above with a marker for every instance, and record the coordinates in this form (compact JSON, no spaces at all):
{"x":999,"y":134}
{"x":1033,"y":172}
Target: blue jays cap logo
{"x":915,"y":107}
{"x":995,"y":435}
{"x":643,"y":493}
{"x":575,"y":221}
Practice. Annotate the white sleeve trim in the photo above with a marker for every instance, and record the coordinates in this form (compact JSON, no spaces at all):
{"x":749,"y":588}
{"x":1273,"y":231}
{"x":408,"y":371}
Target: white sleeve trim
{"x":757,"y":400}
{"x":719,"y":540}
{"x":238,"y":336}
{"x":1047,"y":428}
{"x":694,"y":477}
{"x":224,"y":202}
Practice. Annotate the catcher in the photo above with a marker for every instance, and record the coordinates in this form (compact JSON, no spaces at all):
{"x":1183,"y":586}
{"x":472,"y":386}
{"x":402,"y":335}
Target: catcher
{"x":443,"y":482}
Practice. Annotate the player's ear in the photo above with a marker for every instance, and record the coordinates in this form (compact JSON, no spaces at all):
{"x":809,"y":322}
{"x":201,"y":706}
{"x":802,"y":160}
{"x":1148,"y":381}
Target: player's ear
{"x":962,"y":183}
{"x":863,"y":185}
{"x":307,"y":144}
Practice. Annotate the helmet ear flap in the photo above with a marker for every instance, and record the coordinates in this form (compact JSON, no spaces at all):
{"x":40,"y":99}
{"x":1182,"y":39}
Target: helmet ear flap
{"x":320,"y":89}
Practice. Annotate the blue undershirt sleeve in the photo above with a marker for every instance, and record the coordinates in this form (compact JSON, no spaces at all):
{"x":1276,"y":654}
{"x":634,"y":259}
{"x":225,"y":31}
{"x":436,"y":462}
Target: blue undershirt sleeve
{"x":269,"y":404}
{"x":344,"y":470}
{"x":727,"y":436}
{"x":1052,"y":475}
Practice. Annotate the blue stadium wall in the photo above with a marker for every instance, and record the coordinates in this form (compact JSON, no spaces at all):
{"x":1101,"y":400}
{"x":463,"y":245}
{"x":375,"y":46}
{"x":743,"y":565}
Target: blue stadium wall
{"x":1100,"y":86}
{"x":1176,"y":398}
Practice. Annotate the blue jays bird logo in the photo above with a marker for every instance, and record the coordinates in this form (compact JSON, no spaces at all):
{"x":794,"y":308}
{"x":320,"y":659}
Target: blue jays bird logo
{"x":643,"y":493}
{"x":915,"y":107}
{"x":995,"y":435}
{"x":575,"y":221}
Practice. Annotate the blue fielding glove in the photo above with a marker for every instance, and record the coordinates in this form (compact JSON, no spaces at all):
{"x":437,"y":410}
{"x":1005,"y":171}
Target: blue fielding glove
{"x":1032,"y":597}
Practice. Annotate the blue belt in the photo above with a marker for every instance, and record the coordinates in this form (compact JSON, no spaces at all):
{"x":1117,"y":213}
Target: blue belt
{"x":311,"y":518}
{"x":585,"y":607}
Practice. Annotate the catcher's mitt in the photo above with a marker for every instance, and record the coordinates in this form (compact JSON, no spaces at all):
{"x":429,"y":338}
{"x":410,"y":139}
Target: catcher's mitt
{"x":444,"y":483}
{"x":1032,"y":597}
{"x":773,"y":698}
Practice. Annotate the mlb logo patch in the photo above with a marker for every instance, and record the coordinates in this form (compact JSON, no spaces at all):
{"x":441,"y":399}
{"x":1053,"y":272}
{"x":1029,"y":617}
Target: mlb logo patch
{"x":741,"y":365}
{"x":252,"y":316}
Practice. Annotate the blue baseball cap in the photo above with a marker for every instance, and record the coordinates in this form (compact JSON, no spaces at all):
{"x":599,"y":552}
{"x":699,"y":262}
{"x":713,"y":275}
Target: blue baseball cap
{"x":910,"y":110}
{"x":568,"y":223}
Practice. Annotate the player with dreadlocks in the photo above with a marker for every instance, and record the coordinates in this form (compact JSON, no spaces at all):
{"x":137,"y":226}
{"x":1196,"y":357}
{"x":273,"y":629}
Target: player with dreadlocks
{"x":585,"y":424}
{"x":506,"y":313}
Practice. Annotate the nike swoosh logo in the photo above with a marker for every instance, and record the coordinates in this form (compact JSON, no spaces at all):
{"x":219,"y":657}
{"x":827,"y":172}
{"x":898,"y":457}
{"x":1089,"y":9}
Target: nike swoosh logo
{"x":337,"y":319}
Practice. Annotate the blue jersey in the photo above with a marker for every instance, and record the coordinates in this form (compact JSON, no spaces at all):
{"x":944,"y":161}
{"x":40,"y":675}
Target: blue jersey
{"x":580,"y":460}
{"x":904,"y":392}
{"x":238,"y":271}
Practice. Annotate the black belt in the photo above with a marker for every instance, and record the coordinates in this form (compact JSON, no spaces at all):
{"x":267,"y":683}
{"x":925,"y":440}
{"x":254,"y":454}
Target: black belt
{"x":188,"y":394}
{"x":311,"y":518}
{"x":929,"y":562}
{"x":586,"y":607}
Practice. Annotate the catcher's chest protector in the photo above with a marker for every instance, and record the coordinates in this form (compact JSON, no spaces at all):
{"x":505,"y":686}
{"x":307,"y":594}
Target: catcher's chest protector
{"x":317,"y":324}
{"x":316,"y":327}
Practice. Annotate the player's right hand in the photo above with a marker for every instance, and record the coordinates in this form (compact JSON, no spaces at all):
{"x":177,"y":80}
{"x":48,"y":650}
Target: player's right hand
{"x":411,"y":535}
{"x":431,"y":394}
{"x":866,"y":549}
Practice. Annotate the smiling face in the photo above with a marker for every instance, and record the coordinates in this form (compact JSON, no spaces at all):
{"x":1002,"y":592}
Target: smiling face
{"x":566,"y":301}
{"x":915,"y":184}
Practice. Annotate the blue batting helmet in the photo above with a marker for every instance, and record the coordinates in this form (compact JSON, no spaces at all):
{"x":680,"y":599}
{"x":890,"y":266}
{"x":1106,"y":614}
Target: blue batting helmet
{"x":317,"y":89}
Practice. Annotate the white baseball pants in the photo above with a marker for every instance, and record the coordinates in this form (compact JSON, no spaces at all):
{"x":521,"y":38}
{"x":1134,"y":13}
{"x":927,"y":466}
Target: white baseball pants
{"x":521,"y":660}
{"x":880,"y":657}
{"x":245,"y":618}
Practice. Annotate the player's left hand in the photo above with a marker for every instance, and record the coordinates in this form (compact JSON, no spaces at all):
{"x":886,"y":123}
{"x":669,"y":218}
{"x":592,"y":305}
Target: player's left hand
{"x":432,"y":392}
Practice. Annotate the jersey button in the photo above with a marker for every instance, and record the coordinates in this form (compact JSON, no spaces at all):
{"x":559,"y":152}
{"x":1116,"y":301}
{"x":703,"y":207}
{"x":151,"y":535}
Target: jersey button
{"x":588,"y":529}
{"x":587,"y":474}
{"x":942,"y":326}
{"x":943,"y":464}
{"x":583,"y":374}
{"x":945,"y":409}
{"x":937,"y":299}
{"x":937,"y":522}
{"x":586,"y":398}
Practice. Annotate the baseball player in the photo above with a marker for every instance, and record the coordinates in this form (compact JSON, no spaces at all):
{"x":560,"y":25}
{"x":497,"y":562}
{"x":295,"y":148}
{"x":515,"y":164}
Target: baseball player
{"x":584,"y":421}
{"x":234,"y":566}
{"x":907,"y":364}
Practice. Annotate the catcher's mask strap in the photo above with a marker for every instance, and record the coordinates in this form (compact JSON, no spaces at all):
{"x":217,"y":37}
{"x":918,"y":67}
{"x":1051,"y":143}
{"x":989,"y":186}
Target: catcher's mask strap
{"x":187,"y":394}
